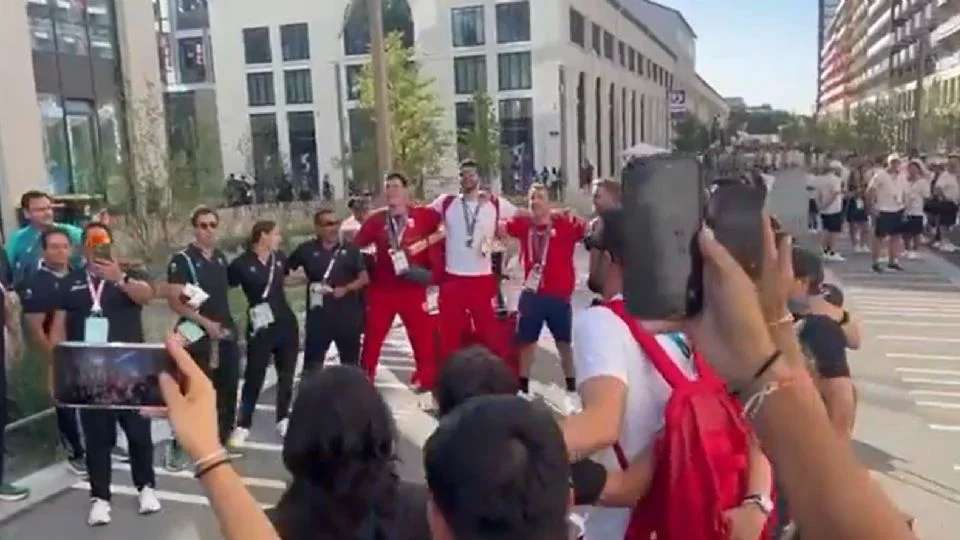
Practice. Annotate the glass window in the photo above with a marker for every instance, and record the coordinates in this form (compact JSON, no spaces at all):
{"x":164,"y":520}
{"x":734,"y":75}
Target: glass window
{"x":577,"y":28}
{"x":608,"y":45}
{"x":466,"y":120}
{"x":193,"y":67}
{"x":187,"y":6}
{"x":41,"y":34}
{"x":260,"y":89}
{"x":81,"y":138}
{"x":622,"y":49}
{"x":515,"y":71}
{"x":192,"y":14}
{"x":640,"y":61}
{"x":298,"y":85}
{"x":396,"y":18}
{"x":513,"y":22}
{"x":54,"y":144}
{"x":266,"y":148}
{"x":301,"y":130}
{"x":597,"y":38}
{"x":71,"y":29}
{"x":353,"y":82}
{"x":632,"y":59}
{"x":295,"y":41}
{"x":516,"y":137}
{"x":256,"y":45}
{"x":468,"y":27}
{"x":470,"y":74}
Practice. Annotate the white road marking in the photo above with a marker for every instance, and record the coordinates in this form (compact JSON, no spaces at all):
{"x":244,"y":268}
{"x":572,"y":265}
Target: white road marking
{"x":925,"y":371}
{"x":396,"y":367}
{"x":921,"y":324}
{"x":915,"y":356}
{"x":249,"y":481}
{"x":267,"y":408}
{"x":918,"y":338}
{"x":172,"y":496}
{"x":920,"y":380}
{"x":934,"y":393}
{"x":391,"y":385}
{"x":939,"y":405}
{"x":266,"y":447}
{"x":943,"y":427}
{"x":913,"y":313}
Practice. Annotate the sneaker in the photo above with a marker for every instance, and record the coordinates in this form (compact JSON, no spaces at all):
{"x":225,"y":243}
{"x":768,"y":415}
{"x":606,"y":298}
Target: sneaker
{"x":282,"y":428}
{"x":836,"y":257}
{"x":12,"y":493}
{"x":149,"y":503}
{"x":239,"y":437}
{"x":877,"y":268}
{"x":174,"y":458}
{"x":948,"y":247}
{"x":99,"y":513}
{"x":77,"y":465}
{"x":895,"y":266}
{"x":572,"y":403}
{"x":528,"y":396}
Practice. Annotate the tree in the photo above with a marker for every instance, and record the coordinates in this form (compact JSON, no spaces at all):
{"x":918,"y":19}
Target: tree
{"x":875,"y":125}
{"x":481,"y":141}
{"x":419,"y":142}
{"x":691,"y":135}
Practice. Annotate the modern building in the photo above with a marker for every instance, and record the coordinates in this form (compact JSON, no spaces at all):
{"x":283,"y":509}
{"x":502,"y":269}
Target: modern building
{"x":575,"y":82}
{"x":80,"y":74}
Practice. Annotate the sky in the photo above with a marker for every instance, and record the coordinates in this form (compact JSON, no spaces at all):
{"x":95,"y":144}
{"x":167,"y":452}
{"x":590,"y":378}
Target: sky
{"x":764,"y":51}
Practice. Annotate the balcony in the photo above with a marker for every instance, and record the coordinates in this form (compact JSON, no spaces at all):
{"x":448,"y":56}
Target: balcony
{"x":946,"y":30}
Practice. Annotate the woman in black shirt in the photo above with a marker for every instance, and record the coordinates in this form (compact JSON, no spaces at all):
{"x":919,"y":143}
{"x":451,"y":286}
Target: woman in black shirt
{"x":272,"y":328}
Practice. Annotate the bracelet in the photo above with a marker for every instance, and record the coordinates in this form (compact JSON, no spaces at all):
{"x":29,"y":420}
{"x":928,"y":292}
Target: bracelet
{"x":197,"y":465}
{"x":200,"y":474}
{"x":753,"y":404}
{"x":786,"y":319}
{"x":767,"y":365}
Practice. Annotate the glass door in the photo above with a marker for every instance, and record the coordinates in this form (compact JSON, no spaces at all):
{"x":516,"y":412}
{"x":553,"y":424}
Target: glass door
{"x":82,"y":137}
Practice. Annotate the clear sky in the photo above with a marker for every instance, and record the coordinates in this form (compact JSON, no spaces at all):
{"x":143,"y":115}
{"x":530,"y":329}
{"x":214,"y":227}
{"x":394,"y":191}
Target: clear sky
{"x":762,"y":50}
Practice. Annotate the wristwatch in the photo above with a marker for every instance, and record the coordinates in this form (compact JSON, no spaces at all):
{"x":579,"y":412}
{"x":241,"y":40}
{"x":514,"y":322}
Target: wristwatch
{"x":761,"y":501}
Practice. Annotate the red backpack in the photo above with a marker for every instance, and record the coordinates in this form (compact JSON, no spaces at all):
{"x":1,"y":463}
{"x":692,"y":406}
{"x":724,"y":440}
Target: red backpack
{"x":701,"y":455}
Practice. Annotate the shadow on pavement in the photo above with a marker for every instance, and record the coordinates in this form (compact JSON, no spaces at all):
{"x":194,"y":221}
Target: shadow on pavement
{"x":892,"y":466}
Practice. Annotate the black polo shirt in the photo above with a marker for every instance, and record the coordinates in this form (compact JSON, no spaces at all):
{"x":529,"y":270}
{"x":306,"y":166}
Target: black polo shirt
{"x":40,"y":292}
{"x":122,"y":314}
{"x":212,"y":277}
{"x":314,"y":258}
{"x":251,"y":275}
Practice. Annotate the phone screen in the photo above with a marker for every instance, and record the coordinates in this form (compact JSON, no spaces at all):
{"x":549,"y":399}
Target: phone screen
{"x":735,"y":213}
{"x":663,"y":203}
{"x":110,"y":376}
{"x":102,"y":252}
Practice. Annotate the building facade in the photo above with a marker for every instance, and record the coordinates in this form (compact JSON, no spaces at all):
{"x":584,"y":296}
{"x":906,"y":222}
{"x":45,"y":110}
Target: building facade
{"x":73,"y":69}
{"x":574,"y":82}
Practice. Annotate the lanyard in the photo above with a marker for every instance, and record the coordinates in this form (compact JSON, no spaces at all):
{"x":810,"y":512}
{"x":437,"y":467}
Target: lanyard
{"x":193,"y":270}
{"x":396,"y":231}
{"x":333,"y":259}
{"x":471,"y":224}
{"x":544,"y":245}
{"x":272,"y":263}
{"x":96,"y":293}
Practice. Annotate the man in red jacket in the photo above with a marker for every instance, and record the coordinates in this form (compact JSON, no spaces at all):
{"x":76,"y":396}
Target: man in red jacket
{"x":401,"y":233}
{"x":547,"y":242}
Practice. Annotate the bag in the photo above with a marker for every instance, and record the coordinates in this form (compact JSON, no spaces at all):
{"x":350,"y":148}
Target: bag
{"x":702,"y":454}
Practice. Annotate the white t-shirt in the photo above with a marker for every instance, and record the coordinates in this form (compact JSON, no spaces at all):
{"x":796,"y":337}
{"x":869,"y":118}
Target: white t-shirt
{"x":463,"y":260}
{"x":830,"y":186}
{"x":947,"y":184}
{"x":813,"y":186}
{"x":916,"y":193}
{"x":604,"y":347}
{"x":349,"y":228}
{"x":889,"y":191}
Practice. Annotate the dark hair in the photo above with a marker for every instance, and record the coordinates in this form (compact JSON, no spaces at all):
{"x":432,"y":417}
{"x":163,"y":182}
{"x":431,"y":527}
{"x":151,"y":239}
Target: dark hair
{"x":471,"y":372}
{"x":260,"y":229}
{"x":808,"y":266}
{"x":339,"y":449}
{"x":832,"y":294}
{"x":612,"y":187}
{"x":96,"y":225}
{"x":497,"y":469}
{"x":322,"y":212}
{"x":53,"y":231}
{"x":30,"y":196}
{"x":612,"y":237}
{"x":471,"y":163}
{"x":200,"y":211}
{"x":397,"y":176}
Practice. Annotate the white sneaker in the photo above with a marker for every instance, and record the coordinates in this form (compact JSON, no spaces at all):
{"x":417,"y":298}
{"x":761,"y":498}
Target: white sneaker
{"x":149,"y":503}
{"x":282,"y":428}
{"x":238,"y":437}
{"x":99,"y":513}
{"x":837,"y":257}
{"x":948,"y":247}
{"x":572,"y":403}
{"x":528,"y":396}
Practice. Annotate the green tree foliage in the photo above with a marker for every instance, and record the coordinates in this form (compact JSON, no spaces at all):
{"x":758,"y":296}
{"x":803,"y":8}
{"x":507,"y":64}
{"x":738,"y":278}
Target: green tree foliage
{"x":691,"y":135}
{"x":481,"y":141}
{"x":419,"y":141}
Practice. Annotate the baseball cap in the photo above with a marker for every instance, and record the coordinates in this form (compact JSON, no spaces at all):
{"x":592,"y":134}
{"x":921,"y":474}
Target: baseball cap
{"x":893,"y":157}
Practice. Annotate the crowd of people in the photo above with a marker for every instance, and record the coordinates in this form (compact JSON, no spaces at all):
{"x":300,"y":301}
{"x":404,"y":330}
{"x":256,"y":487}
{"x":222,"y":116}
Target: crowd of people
{"x":891,"y":205}
{"x":699,"y":429}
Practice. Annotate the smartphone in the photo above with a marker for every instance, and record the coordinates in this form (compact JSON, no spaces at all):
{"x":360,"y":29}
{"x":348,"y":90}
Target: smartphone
{"x":102,"y":252}
{"x":663,"y":203}
{"x":735,"y":213}
{"x":110,"y":376}
{"x":190,"y":331}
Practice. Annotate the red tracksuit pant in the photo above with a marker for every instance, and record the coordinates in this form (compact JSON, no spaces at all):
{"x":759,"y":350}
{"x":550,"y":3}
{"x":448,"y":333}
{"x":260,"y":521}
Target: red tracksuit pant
{"x":383,"y":304}
{"x":466,"y":299}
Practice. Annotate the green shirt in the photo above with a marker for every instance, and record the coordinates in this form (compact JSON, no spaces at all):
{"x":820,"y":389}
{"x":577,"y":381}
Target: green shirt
{"x":24,"y":251}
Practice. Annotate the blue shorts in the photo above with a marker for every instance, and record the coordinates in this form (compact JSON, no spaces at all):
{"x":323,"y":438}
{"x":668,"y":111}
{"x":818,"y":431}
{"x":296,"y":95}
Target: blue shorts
{"x":537,"y":309}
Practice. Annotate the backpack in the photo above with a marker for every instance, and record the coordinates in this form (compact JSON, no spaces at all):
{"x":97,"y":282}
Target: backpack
{"x":702,"y":454}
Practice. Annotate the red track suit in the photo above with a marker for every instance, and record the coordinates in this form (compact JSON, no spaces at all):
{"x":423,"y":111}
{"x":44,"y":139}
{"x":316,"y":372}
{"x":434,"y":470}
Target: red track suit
{"x":469,"y":287}
{"x":390,"y":295}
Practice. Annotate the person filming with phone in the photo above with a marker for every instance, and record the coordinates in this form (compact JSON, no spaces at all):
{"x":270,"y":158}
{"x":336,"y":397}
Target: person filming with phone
{"x":100,"y":304}
{"x":198,"y":294}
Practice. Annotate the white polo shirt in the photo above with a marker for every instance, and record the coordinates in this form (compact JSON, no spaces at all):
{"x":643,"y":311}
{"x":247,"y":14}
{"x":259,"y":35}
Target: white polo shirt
{"x":916,"y":194}
{"x":947,"y":184}
{"x":604,"y":347}
{"x":830,"y":194}
{"x":461,"y":259}
{"x":889,"y":191}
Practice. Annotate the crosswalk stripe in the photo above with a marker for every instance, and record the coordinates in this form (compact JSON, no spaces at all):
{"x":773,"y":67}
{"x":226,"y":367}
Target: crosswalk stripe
{"x":914,"y":356}
{"x":163,"y":495}
{"x":247,"y":480}
{"x":913,"y":314}
{"x":880,"y":293}
{"x":921,"y":380}
{"x":919,"y":338}
{"x":934,"y":393}
{"x":396,"y":367}
{"x":939,"y":405}
{"x":921,"y":324}
{"x":266,"y":447}
{"x":943,"y":427}
{"x":926,"y":371}
{"x":907,"y":307}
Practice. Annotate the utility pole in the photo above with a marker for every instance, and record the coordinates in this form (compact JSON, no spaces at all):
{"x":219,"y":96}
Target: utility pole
{"x":381,"y":92}
{"x":922,"y":45}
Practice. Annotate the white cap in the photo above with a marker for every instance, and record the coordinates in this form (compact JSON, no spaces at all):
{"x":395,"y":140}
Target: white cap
{"x":893,"y":157}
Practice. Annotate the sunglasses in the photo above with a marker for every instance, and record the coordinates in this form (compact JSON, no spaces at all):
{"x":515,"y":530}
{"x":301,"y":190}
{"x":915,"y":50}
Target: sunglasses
{"x":208,"y":225}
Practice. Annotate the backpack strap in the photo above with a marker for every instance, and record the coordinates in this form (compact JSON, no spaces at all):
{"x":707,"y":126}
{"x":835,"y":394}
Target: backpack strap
{"x":652,"y":348}
{"x":447,"y":201}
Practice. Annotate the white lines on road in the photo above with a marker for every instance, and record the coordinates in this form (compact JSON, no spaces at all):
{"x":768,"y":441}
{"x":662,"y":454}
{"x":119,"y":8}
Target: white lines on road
{"x":396,"y":367}
{"x":939,"y":405}
{"x":266,"y":447}
{"x":249,"y":481}
{"x":921,"y":380}
{"x":888,"y":295}
{"x":925,"y":371}
{"x":951,"y":313}
{"x":914,"y":356}
{"x":921,"y":324}
{"x":944,"y":427}
{"x":918,"y":338}
{"x":934,"y":393}
{"x":163,"y":495}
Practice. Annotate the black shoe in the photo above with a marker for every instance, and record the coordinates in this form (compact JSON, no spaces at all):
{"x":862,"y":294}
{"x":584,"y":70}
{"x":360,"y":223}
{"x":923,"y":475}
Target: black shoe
{"x":877,"y":268}
{"x":895,"y":266}
{"x":78,"y":466}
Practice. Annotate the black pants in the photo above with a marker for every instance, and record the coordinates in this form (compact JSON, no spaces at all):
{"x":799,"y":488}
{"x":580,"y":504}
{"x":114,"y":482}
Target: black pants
{"x":69,"y":429}
{"x":100,"y":427}
{"x":282,"y":341}
{"x":324,"y":329}
{"x":225,"y":380}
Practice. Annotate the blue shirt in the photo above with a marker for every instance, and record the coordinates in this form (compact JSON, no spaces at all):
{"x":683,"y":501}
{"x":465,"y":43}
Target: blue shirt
{"x":24,"y":251}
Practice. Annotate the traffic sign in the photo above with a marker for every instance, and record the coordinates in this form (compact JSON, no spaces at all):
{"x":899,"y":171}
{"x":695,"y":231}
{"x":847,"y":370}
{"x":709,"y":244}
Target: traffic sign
{"x":678,"y":100}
